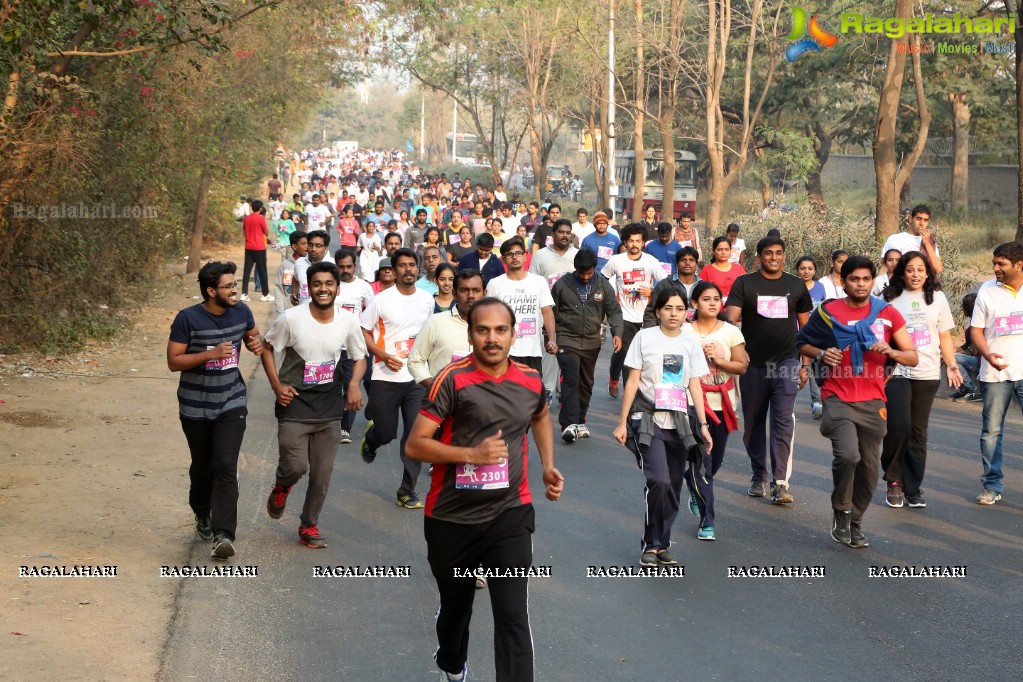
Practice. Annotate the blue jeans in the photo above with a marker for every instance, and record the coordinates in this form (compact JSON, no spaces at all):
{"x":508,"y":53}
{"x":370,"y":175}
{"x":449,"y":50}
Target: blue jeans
{"x":997,"y":396}
{"x":969,"y":365}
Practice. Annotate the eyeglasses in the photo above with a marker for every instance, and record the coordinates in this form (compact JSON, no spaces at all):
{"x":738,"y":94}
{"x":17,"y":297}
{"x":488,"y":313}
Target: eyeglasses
{"x":515,"y":254}
{"x":232,"y":285}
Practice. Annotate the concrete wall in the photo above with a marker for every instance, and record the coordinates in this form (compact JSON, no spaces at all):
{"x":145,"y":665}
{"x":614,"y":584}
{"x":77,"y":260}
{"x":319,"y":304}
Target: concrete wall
{"x":992,"y":188}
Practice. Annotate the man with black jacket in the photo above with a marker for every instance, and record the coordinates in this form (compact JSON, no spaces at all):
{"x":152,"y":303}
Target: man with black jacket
{"x":581,"y":301}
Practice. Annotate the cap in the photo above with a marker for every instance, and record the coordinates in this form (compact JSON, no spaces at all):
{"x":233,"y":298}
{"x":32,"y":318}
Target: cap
{"x":385,"y":263}
{"x":599,"y":217}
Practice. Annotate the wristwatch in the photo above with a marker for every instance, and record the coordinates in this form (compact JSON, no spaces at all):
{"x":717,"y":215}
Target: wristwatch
{"x":820,"y":356}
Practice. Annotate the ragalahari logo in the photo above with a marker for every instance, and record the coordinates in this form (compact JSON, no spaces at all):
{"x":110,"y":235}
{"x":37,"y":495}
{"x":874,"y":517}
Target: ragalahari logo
{"x":818,"y":41}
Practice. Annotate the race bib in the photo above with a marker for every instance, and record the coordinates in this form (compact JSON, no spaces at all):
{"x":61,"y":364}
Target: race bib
{"x":604,"y":252}
{"x":634,"y":277}
{"x":670,"y":397}
{"x":304,"y":291}
{"x":686,"y":243}
{"x":481,"y":476}
{"x":350,"y":307}
{"x":773,"y":307}
{"x":525,"y":328}
{"x":454,"y":239}
{"x":921,"y":335}
{"x":223,"y":363}
{"x":878,"y":329}
{"x":318,"y":373}
{"x":667,"y":268}
{"x":403,"y":347}
{"x":288,"y":276}
{"x":550,"y":240}
{"x":456,"y":356}
{"x":1009,"y":325}
{"x":552,"y":279}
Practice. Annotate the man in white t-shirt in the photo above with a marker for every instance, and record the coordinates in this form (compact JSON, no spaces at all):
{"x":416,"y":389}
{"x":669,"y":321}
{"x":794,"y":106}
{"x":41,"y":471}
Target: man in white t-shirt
{"x":509,"y":222}
{"x":529,"y":296}
{"x":552,"y":262}
{"x":317,"y":215}
{"x":634,"y":275}
{"x":390,"y":324}
{"x":354,"y":296}
{"x":917,"y":237}
{"x":582,"y":228}
{"x":316,"y":251}
{"x":301,"y":353}
{"x":738,"y":245}
{"x":996,"y":331}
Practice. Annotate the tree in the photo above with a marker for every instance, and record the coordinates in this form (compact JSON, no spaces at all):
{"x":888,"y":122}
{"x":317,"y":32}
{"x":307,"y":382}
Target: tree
{"x":890,"y":176}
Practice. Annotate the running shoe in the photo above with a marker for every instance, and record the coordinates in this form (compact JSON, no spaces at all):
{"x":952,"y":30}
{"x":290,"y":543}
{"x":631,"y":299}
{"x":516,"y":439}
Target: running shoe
{"x":409,"y":501}
{"x":694,"y":505}
{"x":368,"y":454}
{"x":665,"y":559}
{"x":971,"y":398}
{"x":570,"y":434}
{"x":612,"y":388}
{"x":277,"y":500}
{"x":204,"y":527}
{"x":345,"y":437}
{"x":757,"y":489}
{"x":460,"y":677}
{"x":648,"y":557}
{"x":223,"y":548}
{"x":582,"y":430}
{"x":959,"y":394}
{"x":840,"y":528}
{"x":311,"y":538}
{"x":269,"y":298}
{"x":706,"y":533}
{"x":857,"y":540}
{"x":244,"y":297}
{"x":916,"y":500}
{"x":893,"y":496}
{"x":780,"y":494}
{"x":988,"y":497}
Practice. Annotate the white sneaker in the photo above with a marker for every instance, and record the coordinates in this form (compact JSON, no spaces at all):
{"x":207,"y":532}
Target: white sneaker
{"x":582,"y":430}
{"x":570,"y":433}
{"x":267,"y":299}
{"x":244,"y":297}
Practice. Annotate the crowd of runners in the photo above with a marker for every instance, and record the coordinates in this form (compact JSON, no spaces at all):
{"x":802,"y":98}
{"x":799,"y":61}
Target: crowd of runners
{"x":460,"y":318}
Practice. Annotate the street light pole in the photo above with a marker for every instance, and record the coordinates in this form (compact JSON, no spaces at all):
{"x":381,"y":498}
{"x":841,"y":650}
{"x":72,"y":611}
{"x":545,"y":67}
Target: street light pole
{"x":610,"y":165}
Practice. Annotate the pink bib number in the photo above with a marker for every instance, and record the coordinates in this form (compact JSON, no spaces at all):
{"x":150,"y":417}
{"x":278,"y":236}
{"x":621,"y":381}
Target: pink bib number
{"x":481,"y":476}
{"x":456,"y":356}
{"x":604,"y":252}
{"x":667,"y":268}
{"x":773,"y":307}
{"x":318,"y":373}
{"x":550,"y":240}
{"x":921,"y":336}
{"x":670,"y":397}
{"x":553,"y":279}
{"x":223,"y":363}
{"x":525,"y":328}
{"x":1009,"y":325}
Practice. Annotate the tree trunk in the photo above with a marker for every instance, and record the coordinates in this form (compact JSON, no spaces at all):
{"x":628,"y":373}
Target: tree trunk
{"x":886,"y":220}
{"x":906,"y":193}
{"x":960,"y":153}
{"x":637,"y":145}
{"x":822,"y":150}
{"x":667,"y":127}
{"x":199,"y":223}
{"x":605,"y":151}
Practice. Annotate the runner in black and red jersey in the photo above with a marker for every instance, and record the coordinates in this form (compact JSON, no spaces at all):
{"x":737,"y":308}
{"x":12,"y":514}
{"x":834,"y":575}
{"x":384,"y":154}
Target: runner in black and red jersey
{"x":479,"y":510}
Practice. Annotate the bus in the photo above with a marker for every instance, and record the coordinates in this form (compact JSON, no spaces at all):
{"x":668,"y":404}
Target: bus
{"x":651,"y":191}
{"x":466,"y":149}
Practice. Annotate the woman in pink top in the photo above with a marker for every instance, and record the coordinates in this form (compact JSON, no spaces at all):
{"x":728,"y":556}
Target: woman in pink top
{"x":720,"y":271}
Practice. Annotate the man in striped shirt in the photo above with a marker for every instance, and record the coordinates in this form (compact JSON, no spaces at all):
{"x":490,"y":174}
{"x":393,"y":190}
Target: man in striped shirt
{"x":205,"y":340}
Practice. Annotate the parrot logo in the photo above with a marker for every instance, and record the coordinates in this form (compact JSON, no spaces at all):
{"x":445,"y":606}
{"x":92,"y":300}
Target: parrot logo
{"x":818,"y":41}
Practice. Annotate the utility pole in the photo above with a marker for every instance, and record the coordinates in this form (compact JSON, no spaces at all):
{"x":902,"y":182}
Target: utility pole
{"x":610,"y":165}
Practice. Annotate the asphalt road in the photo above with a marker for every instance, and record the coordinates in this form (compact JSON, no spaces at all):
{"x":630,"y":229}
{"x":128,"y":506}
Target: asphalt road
{"x":287,"y":625}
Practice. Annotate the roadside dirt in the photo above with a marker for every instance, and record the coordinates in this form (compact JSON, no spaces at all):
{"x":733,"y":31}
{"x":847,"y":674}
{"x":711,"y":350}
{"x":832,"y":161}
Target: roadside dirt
{"x":94,"y":472}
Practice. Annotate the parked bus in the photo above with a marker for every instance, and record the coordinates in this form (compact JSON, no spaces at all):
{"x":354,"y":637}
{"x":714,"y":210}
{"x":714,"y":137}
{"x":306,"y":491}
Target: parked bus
{"x":466,"y":149}
{"x":651,"y":189}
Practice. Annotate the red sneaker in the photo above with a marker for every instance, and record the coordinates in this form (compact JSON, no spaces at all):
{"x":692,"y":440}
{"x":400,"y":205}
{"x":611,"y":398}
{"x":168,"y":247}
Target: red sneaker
{"x":277,"y":501}
{"x":311,"y":538}
{"x":612,"y":388}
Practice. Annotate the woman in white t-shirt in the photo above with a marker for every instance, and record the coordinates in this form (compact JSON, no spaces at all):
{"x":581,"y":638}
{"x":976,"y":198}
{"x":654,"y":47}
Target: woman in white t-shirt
{"x":833,"y":280}
{"x":725,"y":351}
{"x":891,"y":259}
{"x":910,"y":391}
{"x":370,"y":251}
{"x":655,"y":415}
